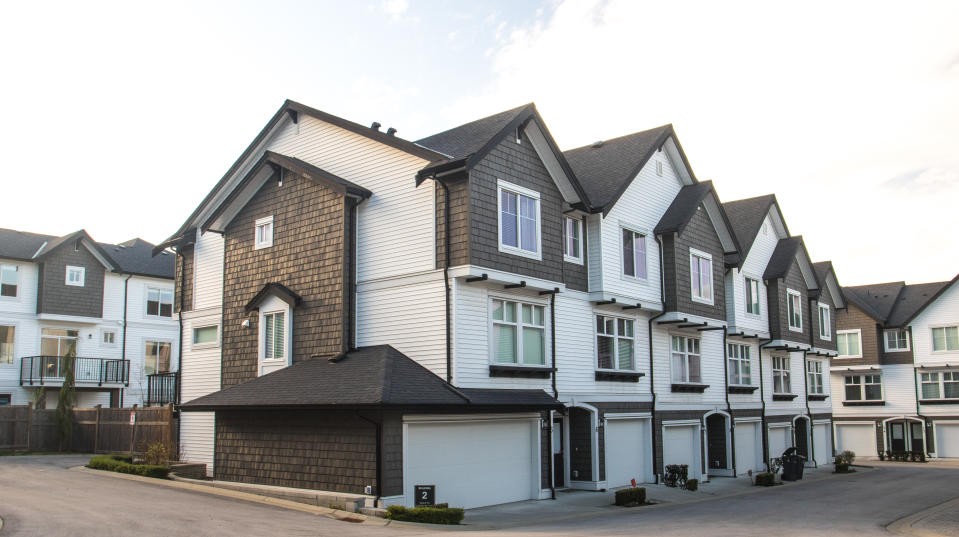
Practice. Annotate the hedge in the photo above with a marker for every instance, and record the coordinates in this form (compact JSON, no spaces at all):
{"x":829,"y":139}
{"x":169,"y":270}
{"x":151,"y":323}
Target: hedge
{"x":765,"y":479}
{"x":631,"y":496}
{"x":426,"y":515}
{"x":123,"y":465}
{"x":692,"y":484}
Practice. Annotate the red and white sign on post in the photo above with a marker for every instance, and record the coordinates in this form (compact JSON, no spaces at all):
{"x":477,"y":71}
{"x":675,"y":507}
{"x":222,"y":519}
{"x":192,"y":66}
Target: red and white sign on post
{"x":133,"y":417}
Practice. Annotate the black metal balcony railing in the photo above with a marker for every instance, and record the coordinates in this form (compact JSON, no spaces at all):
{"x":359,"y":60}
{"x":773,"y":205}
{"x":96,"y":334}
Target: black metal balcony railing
{"x":49,"y":370}
{"x":163,"y":388}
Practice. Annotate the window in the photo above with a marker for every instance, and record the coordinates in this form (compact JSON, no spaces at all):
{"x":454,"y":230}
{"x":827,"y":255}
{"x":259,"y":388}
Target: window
{"x":9,"y":279}
{"x":781,"y":381}
{"x":58,"y":342}
{"x":156,"y":357}
{"x":739,"y":365}
{"x":75,"y":276}
{"x":4,"y":399}
{"x":573,"y":239}
{"x":814,"y":376}
{"x":794,"y":303}
{"x":615,"y":347}
{"x":948,"y":388}
{"x":701,"y":274}
{"x":108,"y":338}
{"x":945,"y":339}
{"x":686,"y":360}
{"x":274,"y":341}
{"x":6,"y":344}
{"x":264,"y":233}
{"x":519,"y":335}
{"x":159,"y":302}
{"x":849,"y":343}
{"x":863,"y":388}
{"x":752,"y":296}
{"x":896,"y":340}
{"x":519,"y":220}
{"x":634,"y":254}
{"x":205,"y":335}
{"x":825,"y":322}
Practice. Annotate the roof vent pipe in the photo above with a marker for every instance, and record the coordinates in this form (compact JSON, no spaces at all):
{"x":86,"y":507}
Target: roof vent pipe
{"x":391,"y":131}
{"x":375,"y":126}
{"x":597,"y":145}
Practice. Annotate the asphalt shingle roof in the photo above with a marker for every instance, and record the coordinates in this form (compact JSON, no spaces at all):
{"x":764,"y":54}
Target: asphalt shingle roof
{"x":911,"y":299}
{"x":463,"y":141}
{"x":21,"y":245}
{"x":683,"y":207}
{"x":746,"y":217}
{"x":782,"y":258}
{"x":894,"y":303}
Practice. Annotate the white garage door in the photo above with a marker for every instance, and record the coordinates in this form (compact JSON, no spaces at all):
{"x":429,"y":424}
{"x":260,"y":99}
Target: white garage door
{"x":747,"y":449}
{"x":473,"y":463}
{"x":822,"y":443}
{"x":626,"y":451}
{"x":780,"y":438}
{"x":858,"y":438}
{"x":947,"y":440}
{"x":681,"y":446}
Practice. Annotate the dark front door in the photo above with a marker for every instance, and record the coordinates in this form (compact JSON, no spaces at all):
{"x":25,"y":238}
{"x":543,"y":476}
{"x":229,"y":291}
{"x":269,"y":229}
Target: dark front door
{"x":802,"y":437}
{"x":897,"y":436}
{"x":559,"y":464}
{"x":716,"y":441}
{"x":916,"y":430}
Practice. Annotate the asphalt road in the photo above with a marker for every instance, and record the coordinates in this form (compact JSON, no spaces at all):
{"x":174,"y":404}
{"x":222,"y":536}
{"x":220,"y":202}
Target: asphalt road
{"x":40,"y":497}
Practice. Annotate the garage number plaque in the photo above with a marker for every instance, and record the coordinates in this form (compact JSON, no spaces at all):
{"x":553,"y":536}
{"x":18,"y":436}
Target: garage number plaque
{"x":425,"y":495}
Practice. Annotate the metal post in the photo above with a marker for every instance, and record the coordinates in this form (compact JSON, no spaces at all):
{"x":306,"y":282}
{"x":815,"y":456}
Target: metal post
{"x":96,"y":432}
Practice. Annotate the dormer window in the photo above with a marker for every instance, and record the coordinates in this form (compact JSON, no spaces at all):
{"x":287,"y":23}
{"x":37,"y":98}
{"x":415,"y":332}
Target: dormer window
{"x":75,"y":276}
{"x":519,"y":221}
{"x":274,"y":305}
{"x":701,"y":276}
{"x":794,"y":304}
{"x":573,"y":240}
{"x":264,"y":233}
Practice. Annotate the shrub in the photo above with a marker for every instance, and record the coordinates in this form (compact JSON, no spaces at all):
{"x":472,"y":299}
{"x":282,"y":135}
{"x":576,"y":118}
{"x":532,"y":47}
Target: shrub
{"x":157,"y":454}
{"x":122,"y":464}
{"x":692,"y":484}
{"x":846,"y":457}
{"x":426,"y":515}
{"x":765,"y":479}
{"x":631,"y":496}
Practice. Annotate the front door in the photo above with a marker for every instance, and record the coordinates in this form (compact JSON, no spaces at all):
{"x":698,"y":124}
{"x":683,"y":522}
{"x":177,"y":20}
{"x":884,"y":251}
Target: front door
{"x":802,"y":437}
{"x":559,"y":464}
{"x":897,"y":436}
{"x":916,"y":430}
{"x":716,"y":441}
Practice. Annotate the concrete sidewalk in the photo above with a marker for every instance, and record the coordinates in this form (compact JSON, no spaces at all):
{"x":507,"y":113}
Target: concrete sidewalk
{"x":939,"y":521}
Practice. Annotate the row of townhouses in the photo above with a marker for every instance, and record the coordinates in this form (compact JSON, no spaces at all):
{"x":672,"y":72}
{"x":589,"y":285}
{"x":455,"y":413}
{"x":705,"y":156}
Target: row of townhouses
{"x":105,"y":309}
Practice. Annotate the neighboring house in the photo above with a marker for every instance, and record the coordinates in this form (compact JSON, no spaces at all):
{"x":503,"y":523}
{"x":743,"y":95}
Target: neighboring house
{"x":893,"y":385}
{"x":109,"y":306}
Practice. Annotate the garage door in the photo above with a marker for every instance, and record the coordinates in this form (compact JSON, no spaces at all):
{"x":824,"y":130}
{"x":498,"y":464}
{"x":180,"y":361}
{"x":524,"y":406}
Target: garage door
{"x":626,"y":451}
{"x":473,"y":463}
{"x":747,"y":449}
{"x":858,"y":438}
{"x":822,"y":444}
{"x":947,"y":440}
{"x":780,"y":438}
{"x":681,"y":446}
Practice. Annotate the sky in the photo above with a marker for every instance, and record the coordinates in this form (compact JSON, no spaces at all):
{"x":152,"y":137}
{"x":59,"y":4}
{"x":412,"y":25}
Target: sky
{"x":120,"y":117}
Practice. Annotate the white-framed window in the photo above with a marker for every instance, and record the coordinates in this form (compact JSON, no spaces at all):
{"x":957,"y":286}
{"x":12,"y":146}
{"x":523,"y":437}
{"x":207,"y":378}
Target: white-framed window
{"x":206,"y":335}
{"x":781,"y":378}
{"x":686,"y":360}
{"x":519,"y":222}
{"x":897,"y":340}
{"x":7,"y":338}
{"x":634,"y":254}
{"x":615,"y":343}
{"x":943,"y":385}
{"x":739,"y":364}
{"x":9,"y":280}
{"x":108,"y":338}
{"x":274,"y":335}
{"x":863,"y":388}
{"x":156,"y":357}
{"x":825,"y":322}
{"x":263,"y":233}
{"x":849,"y":343}
{"x":752,"y":296}
{"x":75,"y":276}
{"x":945,"y":339}
{"x":701,"y":276}
{"x":573,"y":240}
{"x":814,"y":376}
{"x":794,"y":306}
{"x":519,"y":333}
{"x":159,"y":302}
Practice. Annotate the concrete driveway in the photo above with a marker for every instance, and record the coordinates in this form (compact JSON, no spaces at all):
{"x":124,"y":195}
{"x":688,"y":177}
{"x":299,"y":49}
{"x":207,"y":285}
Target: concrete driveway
{"x":41,"y":497}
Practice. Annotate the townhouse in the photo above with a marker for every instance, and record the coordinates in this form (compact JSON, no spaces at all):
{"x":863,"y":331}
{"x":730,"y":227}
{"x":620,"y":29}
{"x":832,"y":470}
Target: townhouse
{"x":104,"y":309}
{"x":893,"y":385}
{"x":479,"y":314}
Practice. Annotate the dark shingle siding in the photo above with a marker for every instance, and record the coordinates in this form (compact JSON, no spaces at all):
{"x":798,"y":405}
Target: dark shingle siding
{"x":852,"y":318}
{"x":825,"y":297}
{"x":184,"y":280}
{"x":56,"y":297}
{"x":459,"y":221}
{"x":780,"y":330}
{"x":699,"y":234}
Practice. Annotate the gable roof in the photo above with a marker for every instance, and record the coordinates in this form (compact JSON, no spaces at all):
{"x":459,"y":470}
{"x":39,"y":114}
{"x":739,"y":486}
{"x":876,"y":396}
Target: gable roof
{"x":896,"y":304}
{"x":684,"y":207}
{"x":469,"y":138}
{"x":826,"y":275}
{"x":875,"y":299}
{"x":787,"y":250}
{"x":913,"y":299}
{"x":606,"y":169}
{"x":746,"y":217}
{"x":273,"y":289}
{"x":135,"y":256}
{"x":85,"y":239}
{"x":21,"y":245}
{"x":378,"y":376}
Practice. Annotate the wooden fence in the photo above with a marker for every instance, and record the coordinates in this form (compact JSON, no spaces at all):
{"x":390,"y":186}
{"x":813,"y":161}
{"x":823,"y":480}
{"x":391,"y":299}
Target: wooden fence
{"x":95,"y":430}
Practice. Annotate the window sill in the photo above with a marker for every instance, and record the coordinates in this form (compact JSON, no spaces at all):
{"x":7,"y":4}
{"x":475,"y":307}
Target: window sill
{"x":573,"y":260}
{"x":794,"y":329}
{"x":680,"y":387}
{"x":705,"y":301}
{"x":619,"y":376}
{"x":520,"y":252}
{"x":939,"y":401}
{"x":734,"y":389}
{"x":863,"y":403}
{"x":784,"y":396}
{"x":817,"y":397}
{"x":525,"y":371}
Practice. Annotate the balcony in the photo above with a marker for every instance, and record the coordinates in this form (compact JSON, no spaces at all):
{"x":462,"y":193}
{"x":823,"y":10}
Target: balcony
{"x":87,"y":372}
{"x":163,"y":389}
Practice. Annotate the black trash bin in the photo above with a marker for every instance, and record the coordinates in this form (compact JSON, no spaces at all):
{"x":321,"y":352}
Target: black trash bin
{"x":793,"y":464}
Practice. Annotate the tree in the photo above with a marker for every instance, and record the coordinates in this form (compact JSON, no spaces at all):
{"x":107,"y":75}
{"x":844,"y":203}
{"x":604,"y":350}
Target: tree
{"x":64,"y":415}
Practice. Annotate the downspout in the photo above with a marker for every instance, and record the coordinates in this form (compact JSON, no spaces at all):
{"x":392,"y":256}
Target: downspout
{"x":652,"y":382}
{"x":123,"y":350}
{"x":805,"y":376}
{"x":729,"y":407}
{"x":379,"y":455}
{"x":446,"y":279}
{"x":762,"y":398}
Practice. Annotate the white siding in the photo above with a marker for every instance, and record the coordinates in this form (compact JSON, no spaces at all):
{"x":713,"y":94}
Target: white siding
{"x":594,"y":251}
{"x":208,"y":271}
{"x":898,"y":387}
{"x":796,"y":381}
{"x":26,"y":299}
{"x":711,"y":367}
{"x":200,"y":374}
{"x":748,"y":400}
{"x":196,"y":438}
{"x":944,"y":311}
{"x":754,"y":267}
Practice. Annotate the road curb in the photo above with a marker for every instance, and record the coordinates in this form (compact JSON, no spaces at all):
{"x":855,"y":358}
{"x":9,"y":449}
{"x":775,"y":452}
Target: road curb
{"x":904,"y":526}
